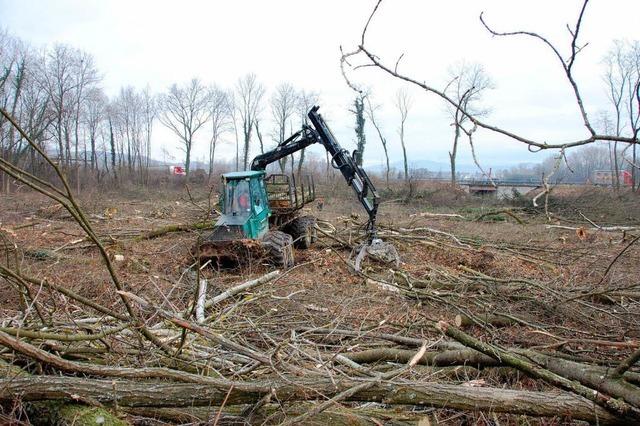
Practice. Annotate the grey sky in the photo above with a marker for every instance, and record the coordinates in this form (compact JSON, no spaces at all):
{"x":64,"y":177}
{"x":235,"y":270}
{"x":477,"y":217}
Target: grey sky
{"x":162,"y":42}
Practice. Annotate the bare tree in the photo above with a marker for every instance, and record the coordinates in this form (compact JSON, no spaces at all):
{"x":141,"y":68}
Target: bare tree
{"x":403,"y":103}
{"x":259,"y":135}
{"x":58,"y":79}
{"x":112,"y":147}
{"x":185,"y":110}
{"x":12,"y":79}
{"x":605,"y":125}
{"x":127,"y":109}
{"x":235,"y":122}
{"x":361,"y":139}
{"x":149,"y":113}
{"x":616,"y":78}
{"x":284,"y":104}
{"x":633,"y":103}
{"x":306,"y":101}
{"x":370,"y":110}
{"x":67,"y":74}
{"x":95,"y":114}
{"x":219,"y":106}
{"x":468,"y":82}
{"x":566,"y":62}
{"x":7,"y":59}
{"x":86,"y":78}
{"x":35,"y":115}
{"x":249,"y":94}
{"x":131,"y":116}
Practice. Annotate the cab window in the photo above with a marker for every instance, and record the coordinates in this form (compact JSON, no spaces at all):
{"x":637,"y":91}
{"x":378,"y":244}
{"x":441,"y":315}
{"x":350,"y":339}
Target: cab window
{"x":256,"y":195}
{"x":237,"y":198}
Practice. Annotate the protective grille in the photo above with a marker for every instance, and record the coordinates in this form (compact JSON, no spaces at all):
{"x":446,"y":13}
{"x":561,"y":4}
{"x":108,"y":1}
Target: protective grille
{"x":226,"y":233}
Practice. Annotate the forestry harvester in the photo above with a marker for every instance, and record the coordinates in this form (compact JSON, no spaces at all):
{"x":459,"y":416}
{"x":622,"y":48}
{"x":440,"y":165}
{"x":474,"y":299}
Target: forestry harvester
{"x":261,"y":214}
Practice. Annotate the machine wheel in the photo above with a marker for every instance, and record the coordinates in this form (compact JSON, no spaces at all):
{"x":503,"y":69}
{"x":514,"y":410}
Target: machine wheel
{"x":303,"y":231}
{"x":279,"y":246}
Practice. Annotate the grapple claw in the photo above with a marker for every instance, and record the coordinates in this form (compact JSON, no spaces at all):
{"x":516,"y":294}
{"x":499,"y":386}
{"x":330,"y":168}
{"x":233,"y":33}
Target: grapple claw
{"x":379,"y":250}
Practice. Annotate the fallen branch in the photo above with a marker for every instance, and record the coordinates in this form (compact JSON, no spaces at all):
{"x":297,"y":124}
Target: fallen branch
{"x":107,"y":371}
{"x":241,"y":287}
{"x":495,"y":213}
{"x":533,"y":370}
{"x":174,"y":228}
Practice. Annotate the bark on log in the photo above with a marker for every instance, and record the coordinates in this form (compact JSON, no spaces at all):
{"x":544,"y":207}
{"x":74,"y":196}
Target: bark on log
{"x":163,"y":394}
{"x":173,"y":228}
{"x":494,"y":320}
{"x":522,"y":363}
{"x":62,"y":414}
{"x":595,"y":378}
{"x":402,"y":340}
{"x":241,"y":287}
{"x":275,"y":414}
{"x":437,"y":359}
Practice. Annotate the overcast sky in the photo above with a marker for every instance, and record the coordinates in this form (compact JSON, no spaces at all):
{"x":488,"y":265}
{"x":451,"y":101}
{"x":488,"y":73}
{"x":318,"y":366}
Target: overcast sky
{"x":163,"y":42}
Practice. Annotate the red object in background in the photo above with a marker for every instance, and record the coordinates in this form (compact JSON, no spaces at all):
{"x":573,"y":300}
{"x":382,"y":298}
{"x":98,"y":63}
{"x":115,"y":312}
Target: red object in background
{"x":626,"y":177}
{"x":178,"y":171}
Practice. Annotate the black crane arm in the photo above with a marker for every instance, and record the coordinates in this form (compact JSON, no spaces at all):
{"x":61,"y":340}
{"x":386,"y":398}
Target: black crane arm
{"x":355,"y":176}
{"x":296,"y":142}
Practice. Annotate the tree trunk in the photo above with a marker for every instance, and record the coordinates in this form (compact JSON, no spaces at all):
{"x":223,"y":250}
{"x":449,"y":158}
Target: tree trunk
{"x":48,"y":412}
{"x":386,"y":157}
{"x":212,"y":152}
{"x":616,"y":167}
{"x":634,"y":173}
{"x":404,"y":153}
{"x":127,"y":393}
{"x":406,"y":164}
{"x":112,"y":143}
{"x":187,"y":162}
{"x":328,"y":166}
{"x":300,"y":162}
{"x":437,"y":359}
{"x":453,"y":153}
{"x":245,"y":150}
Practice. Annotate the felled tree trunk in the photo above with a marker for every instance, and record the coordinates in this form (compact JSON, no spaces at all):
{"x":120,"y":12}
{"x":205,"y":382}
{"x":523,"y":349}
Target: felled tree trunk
{"x":59,"y":412}
{"x":438,"y":359}
{"x":126,"y":393}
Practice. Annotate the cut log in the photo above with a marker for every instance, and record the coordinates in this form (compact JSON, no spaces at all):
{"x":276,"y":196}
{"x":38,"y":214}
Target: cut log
{"x":174,"y":228}
{"x":275,"y":414}
{"x":126,"y":393}
{"x":62,"y":414}
{"x":242,"y":287}
{"x":202,"y":294}
{"x":592,"y":377}
{"x":438,"y":359}
{"x":579,"y":384}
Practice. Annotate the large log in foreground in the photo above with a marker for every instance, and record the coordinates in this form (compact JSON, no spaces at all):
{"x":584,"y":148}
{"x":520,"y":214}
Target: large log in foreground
{"x":127,"y":393}
{"x":50,"y":412}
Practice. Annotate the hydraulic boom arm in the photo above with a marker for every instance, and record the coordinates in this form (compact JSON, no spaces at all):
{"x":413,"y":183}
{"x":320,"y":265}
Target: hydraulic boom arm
{"x":355,"y":176}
